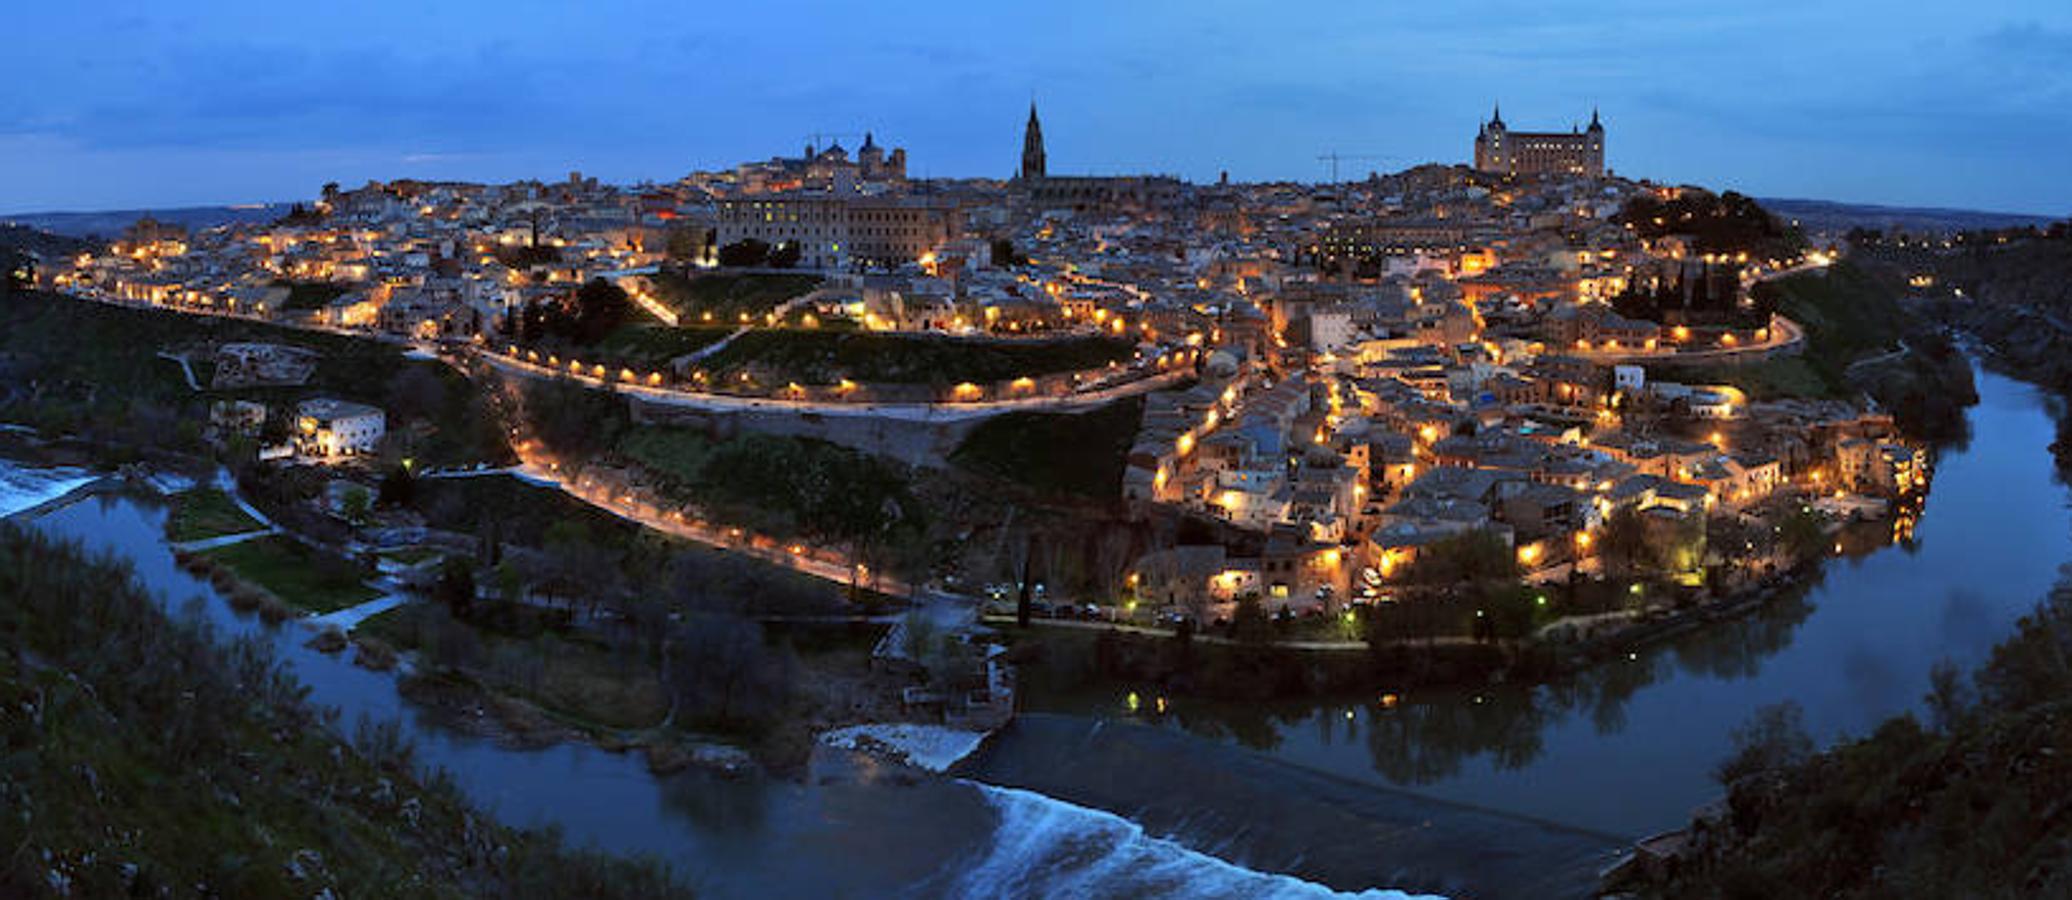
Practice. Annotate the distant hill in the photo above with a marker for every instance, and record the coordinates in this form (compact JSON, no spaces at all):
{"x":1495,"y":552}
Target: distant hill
{"x":39,"y":243}
{"x":1825,"y":216}
{"x":109,"y":223}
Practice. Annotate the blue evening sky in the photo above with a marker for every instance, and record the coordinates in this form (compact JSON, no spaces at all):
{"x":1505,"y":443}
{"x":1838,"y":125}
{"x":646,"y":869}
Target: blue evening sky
{"x":1922,"y":102}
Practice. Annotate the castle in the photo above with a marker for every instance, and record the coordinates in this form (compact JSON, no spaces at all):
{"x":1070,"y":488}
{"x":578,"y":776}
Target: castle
{"x":1503,"y":151}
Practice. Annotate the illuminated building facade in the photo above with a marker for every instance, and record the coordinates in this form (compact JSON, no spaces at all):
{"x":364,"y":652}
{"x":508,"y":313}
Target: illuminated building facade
{"x":1502,"y":151}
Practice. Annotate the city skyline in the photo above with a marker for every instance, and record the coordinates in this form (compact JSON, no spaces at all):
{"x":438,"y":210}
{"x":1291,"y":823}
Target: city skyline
{"x":251,"y":103}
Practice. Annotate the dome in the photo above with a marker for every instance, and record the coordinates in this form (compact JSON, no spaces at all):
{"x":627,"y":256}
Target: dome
{"x":1221,"y":364}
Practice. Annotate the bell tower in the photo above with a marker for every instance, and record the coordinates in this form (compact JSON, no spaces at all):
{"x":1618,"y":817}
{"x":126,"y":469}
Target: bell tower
{"x":1032,"y":147}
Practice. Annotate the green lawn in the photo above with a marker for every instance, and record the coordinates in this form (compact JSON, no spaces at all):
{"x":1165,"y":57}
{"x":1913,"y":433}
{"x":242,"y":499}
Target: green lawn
{"x":1771,"y":379}
{"x":310,"y":294}
{"x":727,"y":296}
{"x":1080,"y":454}
{"x":299,"y":575}
{"x":645,"y":347}
{"x":205,"y":513}
{"x":675,"y":453}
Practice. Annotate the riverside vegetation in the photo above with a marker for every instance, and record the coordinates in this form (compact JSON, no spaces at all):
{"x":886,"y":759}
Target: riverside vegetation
{"x":143,"y":755}
{"x":1969,"y":803}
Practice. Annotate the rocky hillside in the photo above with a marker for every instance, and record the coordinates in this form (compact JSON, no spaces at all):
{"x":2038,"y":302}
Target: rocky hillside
{"x":2014,"y":299}
{"x":1973,"y":803}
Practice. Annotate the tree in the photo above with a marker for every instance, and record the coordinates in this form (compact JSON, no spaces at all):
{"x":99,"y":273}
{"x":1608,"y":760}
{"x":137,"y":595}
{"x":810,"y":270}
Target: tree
{"x":744,"y":253}
{"x":510,"y":581}
{"x":600,"y":307}
{"x":1249,"y":625}
{"x":1469,"y":556}
{"x":1510,"y":611}
{"x":785,"y":255}
{"x":354,"y":505}
{"x":1949,"y":698}
{"x":721,"y":671}
{"x":1005,"y":255}
{"x":416,"y":392}
{"x":1623,"y":543}
{"x":1803,"y":533}
{"x":398,"y":488}
{"x":489,"y":544}
{"x":1773,"y":739}
{"x":456,"y":586}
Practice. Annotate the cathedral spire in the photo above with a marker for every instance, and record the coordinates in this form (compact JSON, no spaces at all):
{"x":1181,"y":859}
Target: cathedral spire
{"x":1032,"y":146}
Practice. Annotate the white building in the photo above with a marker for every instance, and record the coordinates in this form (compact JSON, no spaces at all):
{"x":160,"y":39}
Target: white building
{"x":328,"y":427}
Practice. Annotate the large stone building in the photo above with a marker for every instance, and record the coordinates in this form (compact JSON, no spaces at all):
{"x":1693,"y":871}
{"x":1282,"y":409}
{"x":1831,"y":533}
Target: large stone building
{"x":837,"y":231}
{"x":1503,"y":151}
{"x":1086,"y":193}
{"x":829,"y":167}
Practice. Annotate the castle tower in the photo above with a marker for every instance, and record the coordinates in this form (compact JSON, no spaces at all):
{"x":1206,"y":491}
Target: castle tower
{"x":1032,"y":147}
{"x":871,"y":157}
{"x":1595,"y":154}
{"x":1490,"y":155}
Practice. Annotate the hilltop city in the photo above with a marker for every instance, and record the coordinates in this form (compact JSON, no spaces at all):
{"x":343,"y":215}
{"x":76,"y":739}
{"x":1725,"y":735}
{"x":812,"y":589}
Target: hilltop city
{"x":1334,"y":378}
{"x":808,"y":455}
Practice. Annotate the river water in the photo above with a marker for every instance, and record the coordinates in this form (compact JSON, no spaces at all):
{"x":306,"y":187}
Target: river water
{"x":855,"y":829}
{"x":1552,"y":775}
{"x":1628,"y":748}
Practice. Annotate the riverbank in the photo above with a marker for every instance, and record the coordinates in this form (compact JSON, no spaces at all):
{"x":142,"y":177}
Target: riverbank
{"x":1627,"y":746}
{"x":1076,"y":656}
{"x":151,"y":757}
{"x":853,"y":825}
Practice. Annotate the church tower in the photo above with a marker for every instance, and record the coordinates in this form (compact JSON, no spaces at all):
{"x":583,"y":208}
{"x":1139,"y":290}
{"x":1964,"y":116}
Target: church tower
{"x":1032,"y":147}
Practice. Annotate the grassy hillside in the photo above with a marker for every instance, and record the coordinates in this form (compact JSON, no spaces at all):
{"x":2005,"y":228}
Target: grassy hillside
{"x":1854,"y":324}
{"x":141,"y":757}
{"x":1848,"y":314}
{"x":1078,"y":455}
{"x":73,"y":366}
{"x":726,"y":297}
{"x":824,"y":357}
{"x":778,"y":485}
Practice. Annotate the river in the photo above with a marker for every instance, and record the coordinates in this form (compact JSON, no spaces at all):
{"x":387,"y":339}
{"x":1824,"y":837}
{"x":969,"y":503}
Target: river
{"x":855,"y":828}
{"x":1472,"y":793}
{"x":1628,"y":748}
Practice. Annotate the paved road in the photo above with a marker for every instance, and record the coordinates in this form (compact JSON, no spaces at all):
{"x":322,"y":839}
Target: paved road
{"x":223,"y":541}
{"x":914,"y":412}
{"x":350,"y":617}
{"x":1329,"y":646}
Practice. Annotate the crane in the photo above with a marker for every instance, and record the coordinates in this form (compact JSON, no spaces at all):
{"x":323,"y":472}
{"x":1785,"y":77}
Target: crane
{"x":1334,"y":157}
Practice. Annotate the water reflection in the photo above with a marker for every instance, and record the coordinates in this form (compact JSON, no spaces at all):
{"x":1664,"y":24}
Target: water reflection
{"x":1627,"y":746}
